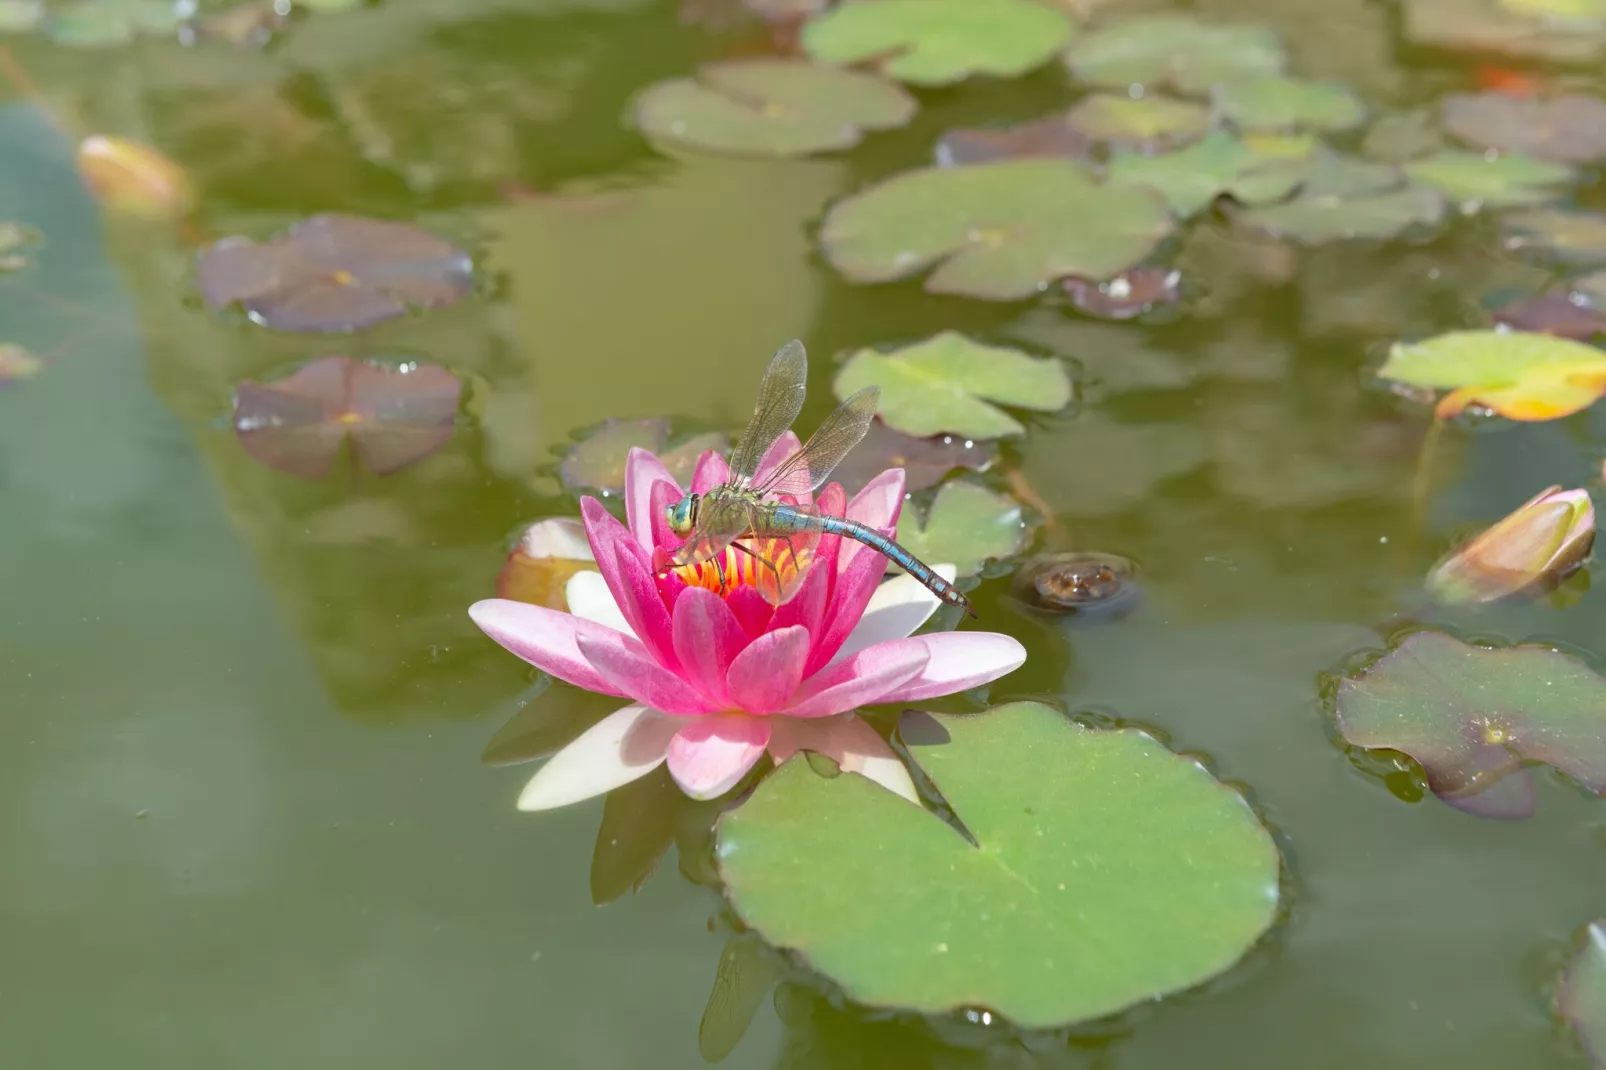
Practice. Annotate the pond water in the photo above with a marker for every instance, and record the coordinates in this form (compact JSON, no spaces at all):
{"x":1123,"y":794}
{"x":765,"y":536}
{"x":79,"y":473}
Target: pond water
{"x":245,"y":818}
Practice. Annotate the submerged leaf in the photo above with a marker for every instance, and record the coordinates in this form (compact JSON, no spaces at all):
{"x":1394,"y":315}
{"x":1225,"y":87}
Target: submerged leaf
{"x":1571,"y":129}
{"x":394,"y":414}
{"x":771,"y":107}
{"x":1472,"y":716}
{"x":1174,"y":50}
{"x":334,"y":273}
{"x":938,"y":42}
{"x":1102,"y":871}
{"x":747,"y":972}
{"x":999,"y":231}
{"x":1275,"y":102}
{"x":967,"y":526}
{"x":1471,"y":178}
{"x":946,"y":382}
{"x":639,"y":821}
{"x":925,"y":461}
{"x":1521,"y":375}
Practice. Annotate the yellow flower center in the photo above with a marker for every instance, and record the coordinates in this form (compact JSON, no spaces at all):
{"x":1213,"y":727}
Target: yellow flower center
{"x":767,"y":564}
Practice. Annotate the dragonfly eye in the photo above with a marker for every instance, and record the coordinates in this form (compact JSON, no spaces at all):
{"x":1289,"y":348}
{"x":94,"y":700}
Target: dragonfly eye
{"x":682,"y":515}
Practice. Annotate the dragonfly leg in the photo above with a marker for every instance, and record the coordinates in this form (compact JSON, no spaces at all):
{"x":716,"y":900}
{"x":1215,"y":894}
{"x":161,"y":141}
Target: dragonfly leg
{"x":761,"y":560}
{"x":719,"y":570}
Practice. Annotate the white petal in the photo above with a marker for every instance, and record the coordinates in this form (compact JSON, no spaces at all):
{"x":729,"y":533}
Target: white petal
{"x":849,"y":742}
{"x":559,"y":536}
{"x":627,"y":744}
{"x":588,"y":598}
{"x":897,"y":608}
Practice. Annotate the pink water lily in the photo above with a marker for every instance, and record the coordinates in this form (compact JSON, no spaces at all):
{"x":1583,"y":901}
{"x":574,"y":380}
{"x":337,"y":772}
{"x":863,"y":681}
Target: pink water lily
{"x":716,"y":675}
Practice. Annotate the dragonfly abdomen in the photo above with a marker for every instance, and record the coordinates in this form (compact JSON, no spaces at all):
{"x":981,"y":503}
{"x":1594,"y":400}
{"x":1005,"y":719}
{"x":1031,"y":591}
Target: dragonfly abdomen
{"x":878,"y":542}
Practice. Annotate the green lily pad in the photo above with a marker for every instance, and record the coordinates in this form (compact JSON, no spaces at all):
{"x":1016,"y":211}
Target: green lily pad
{"x":1520,"y":375}
{"x":946,"y":383}
{"x":1191,"y":178}
{"x":1572,"y":237}
{"x":1317,"y":218}
{"x":1481,"y":27}
{"x":1474,"y":716}
{"x":1190,"y":56}
{"x":1508,"y":181}
{"x":105,"y":23}
{"x":771,"y":107}
{"x":1275,"y":102}
{"x":1147,"y":123}
{"x":1097,"y":870}
{"x":20,"y":16}
{"x":1569,"y":129}
{"x":1581,"y":995}
{"x":967,"y":526}
{"x":1000,"y":231}
{"x":597,"y":461}
{"x":938,"y":42}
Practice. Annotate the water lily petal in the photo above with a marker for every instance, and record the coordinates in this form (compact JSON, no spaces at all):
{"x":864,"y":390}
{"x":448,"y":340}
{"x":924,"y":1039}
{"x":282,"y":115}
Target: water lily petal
{"x":708,"y":637}
{"x":627,"y":663}
{"x":780,"y":450}
{"x":627,"y":744}
{"x":710,"y":755}
{"x":562,"y":537}
{"x":898,"y":607}
{"x":661,"y":537}
{"x":587,"y":596}
{"x":878,"y":505}
{"x":855,"y":587}
{"x":848,"y":741}
{"x":546,"y":639}
{"x":751,"y":609}
{"x":643,"y":471}
{"x":711,"y":471}
{"x":959,"y":660}
{"x":764,"y":677}
{"x":868,"y":676}
{"x":625,"y":565}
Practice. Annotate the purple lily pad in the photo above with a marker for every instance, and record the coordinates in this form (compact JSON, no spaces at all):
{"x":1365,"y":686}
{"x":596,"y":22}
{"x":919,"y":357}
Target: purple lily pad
{"x":334,"y":273}
{"x":394,"y":414}
{"x":1052,"y":135}
{"x":1127,"y":295}
{"x":925,"y":461}
{"x":1475,"y":717}
{"x":1556,"y":313}
{"x":1568,"y":129}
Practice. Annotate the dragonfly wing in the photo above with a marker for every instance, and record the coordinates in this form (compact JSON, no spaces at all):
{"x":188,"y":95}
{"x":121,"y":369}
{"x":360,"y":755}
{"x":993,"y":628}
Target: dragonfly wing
{"x":780,"y":399}
{"x":718,"y":525}
{"x":778,"y":556}
{"x":807,"y":470}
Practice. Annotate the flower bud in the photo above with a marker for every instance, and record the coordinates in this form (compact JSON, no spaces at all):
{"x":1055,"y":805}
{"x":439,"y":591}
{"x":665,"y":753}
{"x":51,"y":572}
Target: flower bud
{"x":1528,"y":553}
{"x":133,"y":179}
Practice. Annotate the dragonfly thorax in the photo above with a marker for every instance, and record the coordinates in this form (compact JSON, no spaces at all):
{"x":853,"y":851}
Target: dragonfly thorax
{"x":682,"y":515}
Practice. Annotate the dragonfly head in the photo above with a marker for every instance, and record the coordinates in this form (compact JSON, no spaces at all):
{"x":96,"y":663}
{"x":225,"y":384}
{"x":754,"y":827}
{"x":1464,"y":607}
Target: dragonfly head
{"x":682,"y":515}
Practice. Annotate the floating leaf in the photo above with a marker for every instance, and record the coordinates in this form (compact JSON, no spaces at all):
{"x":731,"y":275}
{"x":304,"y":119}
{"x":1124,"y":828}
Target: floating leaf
{"x":946,"y":382}
{"x":17,"y":363}
{"x":104,"y":23}
{"x":925,"y":461}
{"x":1147,"y":124}
{"x":334,"y":273}
{"x":1564,"y":315}
{"x":1317,"y":218}
{"x":967,"y":526}
{"x":1191,"y":178}
{"x":1174,"y":50}
{"x":1000,"y":231}
{"x":1485,"y":26}
{"x":133,"y":179}
{"x":20,"y":16}
{"x":1274,"y":102}
{"x":1571,"y":129}
{"x":597,"y":461}
{"x":1573,"y":237}
{"x":1098,"y":870}
{"x":1471,"y":178}
{"x":394,"y":414}
{"x":1581,"y":995}
{"x":1518,"y":374}
{"x":16,"y":245}
{"x":547,"y":556}
{"x":1091,"y":586}
{"x":771,"y":107}
{"x":1131,"y":294}
{"x":1471,"y":716}
{"x":1050,"y":136}
{"x":1400,"y":136}
{"x":938,"y":42}
{"x":1530,"y":552}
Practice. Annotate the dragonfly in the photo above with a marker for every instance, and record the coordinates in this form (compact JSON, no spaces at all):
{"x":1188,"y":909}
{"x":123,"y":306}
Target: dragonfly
{"x":777,"y":538}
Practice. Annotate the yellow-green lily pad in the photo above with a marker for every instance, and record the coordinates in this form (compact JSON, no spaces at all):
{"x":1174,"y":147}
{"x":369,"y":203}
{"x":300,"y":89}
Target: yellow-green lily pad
{"x":105,"y":23}
{"x":967,"y":526}
{"x":1275,"y":102}
{"x":1572,"y":237}
{"x":1508,"y":181}
{"x":1096,"y":870}
{"x":1186,"y":54}
{"x":949,"y":383}
{"x":771,"y":107}
{"x":938,"y":42}
{"x":1000,"y":231}
{"x":1191,"y":178}
{"x":1148,"y":123}
{"x":1314,"y":218}
{"x":1518,"y":374}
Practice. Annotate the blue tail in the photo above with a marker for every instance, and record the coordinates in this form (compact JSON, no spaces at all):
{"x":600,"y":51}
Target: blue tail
{"x":878,"y":542}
